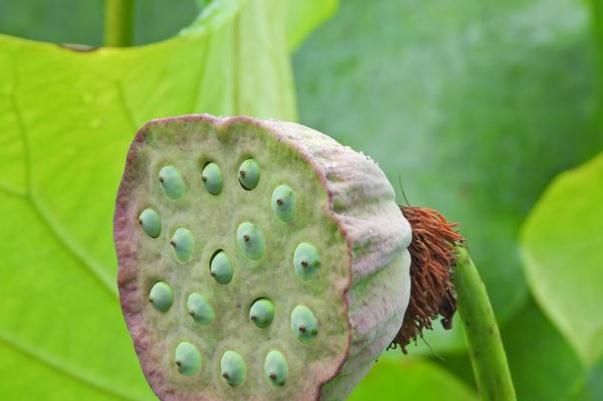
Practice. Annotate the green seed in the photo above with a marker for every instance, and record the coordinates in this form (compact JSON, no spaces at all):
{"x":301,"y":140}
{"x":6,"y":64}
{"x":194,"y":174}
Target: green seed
{"x":232,"y":367}
{"x":306,"y":261}
{"x":171,"y":181}
{"x":249,"y":174}
{"x":283,"y":202}
{"x":212,"y":178}
{"x":276,"y":368}
{"x":182,"y":243}
{"x":220,"y":268}
{"x":150,"y":222}
{"x":199,"y":309}
{"x":251,"y":240}
{"x":303,"y":323}
{"x":161,"y":296}
{"x":262,"y":313}
{"x":187,"y":359}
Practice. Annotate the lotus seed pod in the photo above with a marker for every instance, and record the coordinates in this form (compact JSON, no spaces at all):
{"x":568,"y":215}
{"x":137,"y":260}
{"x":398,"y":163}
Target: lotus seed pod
{"x":276,"y":368}
{"x":182,"y":243}
{"x":171,"y":182}
{"x":261,"y":313}
{"x":187,"y":359}
{"x":249,"y":174}
{"x":199,"y":309}
{"x":161,"y":296}
{"x":350,"y":298}
{"x":251,"y":240}
{"x":150,"y":222}
{"x":304,"y":324}
{"x":212,"y":178}
{"x":220,"y":268}
{"x":306,"y":260}
{"x":233,"y":368}
{"x":283,"y":202}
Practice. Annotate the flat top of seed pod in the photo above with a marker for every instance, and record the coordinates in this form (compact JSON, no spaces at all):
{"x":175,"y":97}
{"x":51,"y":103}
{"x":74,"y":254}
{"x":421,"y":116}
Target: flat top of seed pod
{"x":195,"y":224}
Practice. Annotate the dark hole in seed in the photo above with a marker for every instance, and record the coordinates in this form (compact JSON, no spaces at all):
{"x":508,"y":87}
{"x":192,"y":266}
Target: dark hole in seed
{"x":302,"y":329}
{"x":161,"y":180}
{"x":304,"y":263}
{"x":225,"y":375}
{"x":242,"y":174}
{"x":178,"y":363}
{"x":204,"y":179}
{"x":173,"y":243}
{"x":279,"y":202}
{"x":246,"y":238}
{"x":254,"y":318}
{"x":273,"y":376}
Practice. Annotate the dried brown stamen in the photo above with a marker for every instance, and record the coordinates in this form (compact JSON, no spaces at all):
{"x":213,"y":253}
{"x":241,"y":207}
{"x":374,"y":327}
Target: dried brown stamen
{"x":433,"y":255}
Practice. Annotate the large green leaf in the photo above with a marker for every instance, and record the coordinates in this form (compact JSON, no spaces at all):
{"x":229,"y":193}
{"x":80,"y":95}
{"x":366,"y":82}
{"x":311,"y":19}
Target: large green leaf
{"x":66,"y":120}
{"x":543,"y":364}
{"x":411,"y":380}
{"x":473,"y":105}
{"x":563,"y":252}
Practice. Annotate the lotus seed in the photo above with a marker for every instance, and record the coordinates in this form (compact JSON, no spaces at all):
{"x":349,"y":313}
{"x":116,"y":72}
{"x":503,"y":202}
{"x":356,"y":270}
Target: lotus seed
{"x":199,"y":309}
{"x":150,"y":222}
{"x":276,"y":368}
{"x":187,"y":359}
{"x":161,"y":296}
{"x":304,"y":323}
{"x":306,"y":260}
{"x":220,"y":268}
{"x":283,"y":202}
{"x":250,"y":240}
{"x":232,"y":367}
{"x":212,"y":178}
{"x":171,"y":182}
{"x":262,"y":313}
{"x":249,"y":174}
{"x":182,"y":243}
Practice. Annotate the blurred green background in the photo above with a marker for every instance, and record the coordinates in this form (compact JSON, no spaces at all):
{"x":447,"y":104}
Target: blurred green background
{"x":478,"y":109}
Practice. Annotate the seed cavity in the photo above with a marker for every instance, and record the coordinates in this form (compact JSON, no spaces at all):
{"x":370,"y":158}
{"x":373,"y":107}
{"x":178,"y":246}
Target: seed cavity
{"x":283,"y":202}
{"x":250,"y":240}
{"x":182,"y":244}
{"x":249,"y":174}
{"x":306,"y":261}
{"x":220,"y":268}
{"x":261,"y":312}
{"x":276,"y":368}
{"x":304,"y":324}
{"x":171,"y":181}
{"x":232,"y":368}
{"x":150,"y":222}
{"x":161,"y":296}
{"x":212,"y":178}
{"x":187,"y":359}
{"x":199,"y":309}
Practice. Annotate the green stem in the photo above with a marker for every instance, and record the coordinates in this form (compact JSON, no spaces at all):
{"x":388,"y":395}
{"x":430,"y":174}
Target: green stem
{"x":486,"y":349}
{"x":119,"y":17}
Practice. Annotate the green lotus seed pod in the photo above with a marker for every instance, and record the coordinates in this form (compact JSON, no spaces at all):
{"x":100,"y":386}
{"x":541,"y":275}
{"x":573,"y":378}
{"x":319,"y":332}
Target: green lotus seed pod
{"x":212,"y":178}
{"x":283,"y":202}
{"x":356,"y":281}
{"x":232,"y":367}
{"x":171,"y":181}
{"x":304,"y":323}
{"x":306,"y":261}
{"x":251,"y":240}
{"x":262,"y":312}
{"x":182,"y":243}
{"x":276,"y":368}
{"x":187,"y":359}
{"x":249,"y":174}
{"x":199,"y":309}
{"x":161,"y":296}
{"x":150,"y":222}
{"x":220,"y":268}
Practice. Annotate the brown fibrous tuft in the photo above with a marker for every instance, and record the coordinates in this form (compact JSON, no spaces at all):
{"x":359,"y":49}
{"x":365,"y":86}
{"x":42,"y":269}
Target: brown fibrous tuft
{"x":433,"y":257}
